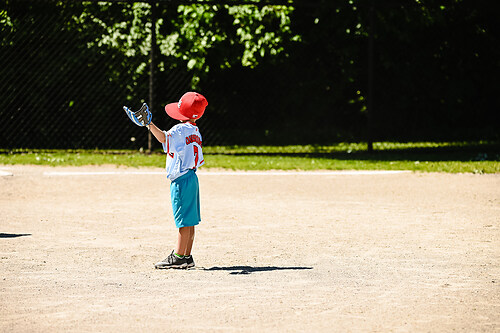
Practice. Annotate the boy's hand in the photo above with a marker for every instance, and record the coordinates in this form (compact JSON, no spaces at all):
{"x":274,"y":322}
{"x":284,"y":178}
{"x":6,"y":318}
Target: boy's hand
{"x":142,"y":117}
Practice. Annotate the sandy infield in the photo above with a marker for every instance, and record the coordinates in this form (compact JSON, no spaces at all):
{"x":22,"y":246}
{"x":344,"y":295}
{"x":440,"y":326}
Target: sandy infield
{"x":409,"y":252}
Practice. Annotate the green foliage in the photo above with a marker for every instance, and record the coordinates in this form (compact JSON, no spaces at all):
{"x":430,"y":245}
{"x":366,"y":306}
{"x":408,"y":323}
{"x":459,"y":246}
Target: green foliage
{"x":262,"y":31}
{"x":5,"y":20}
{"x":128,"y":31}
{"x":223,"y":36}
{"x":190,"y":34}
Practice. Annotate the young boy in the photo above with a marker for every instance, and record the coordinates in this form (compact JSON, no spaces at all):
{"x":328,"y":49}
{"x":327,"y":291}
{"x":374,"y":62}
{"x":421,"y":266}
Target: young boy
{"x":183,"y":146}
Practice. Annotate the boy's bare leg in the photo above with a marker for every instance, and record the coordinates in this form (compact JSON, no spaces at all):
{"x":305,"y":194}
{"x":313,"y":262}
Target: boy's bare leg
{"x":183,"y":237}
{"x":189,"y":246}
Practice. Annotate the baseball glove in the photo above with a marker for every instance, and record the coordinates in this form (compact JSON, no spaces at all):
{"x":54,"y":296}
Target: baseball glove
{"x":142,"y":117}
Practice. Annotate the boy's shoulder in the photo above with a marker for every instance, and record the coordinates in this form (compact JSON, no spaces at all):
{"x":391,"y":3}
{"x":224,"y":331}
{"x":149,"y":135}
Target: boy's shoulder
{"x":183,"y":128}
{"x":176,"y":128}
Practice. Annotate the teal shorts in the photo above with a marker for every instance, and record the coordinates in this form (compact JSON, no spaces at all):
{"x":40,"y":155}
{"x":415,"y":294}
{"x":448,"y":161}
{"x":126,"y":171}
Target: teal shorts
{"x":185,"y":197}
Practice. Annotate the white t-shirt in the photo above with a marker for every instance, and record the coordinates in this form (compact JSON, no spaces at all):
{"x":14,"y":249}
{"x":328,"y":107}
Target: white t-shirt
{"x":183,"y":147}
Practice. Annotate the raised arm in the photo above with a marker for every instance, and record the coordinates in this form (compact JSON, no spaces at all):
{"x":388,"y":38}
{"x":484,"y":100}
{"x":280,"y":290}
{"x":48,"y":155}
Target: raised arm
{"x":158,"y":133}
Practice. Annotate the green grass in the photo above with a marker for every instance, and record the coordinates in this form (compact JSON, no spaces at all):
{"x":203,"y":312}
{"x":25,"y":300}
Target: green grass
{"x":324,"y":163}
{"x":452,"y":157}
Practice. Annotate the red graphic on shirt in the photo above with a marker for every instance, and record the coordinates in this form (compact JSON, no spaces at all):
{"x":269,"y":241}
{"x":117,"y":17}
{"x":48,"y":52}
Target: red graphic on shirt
{"x":168,"y":146}
{"x":193,"y":138}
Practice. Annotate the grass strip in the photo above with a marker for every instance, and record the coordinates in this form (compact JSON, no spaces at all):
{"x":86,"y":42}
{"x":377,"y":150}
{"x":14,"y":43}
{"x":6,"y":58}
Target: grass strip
{"x":455,"y":157}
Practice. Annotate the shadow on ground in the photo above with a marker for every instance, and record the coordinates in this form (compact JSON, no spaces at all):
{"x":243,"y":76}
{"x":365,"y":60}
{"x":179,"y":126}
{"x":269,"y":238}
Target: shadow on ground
{"x":251,"y":269}
{"x":3,"y":235}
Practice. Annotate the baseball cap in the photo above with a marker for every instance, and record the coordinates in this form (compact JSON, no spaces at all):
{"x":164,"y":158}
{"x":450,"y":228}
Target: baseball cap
{"x":191,"y":106}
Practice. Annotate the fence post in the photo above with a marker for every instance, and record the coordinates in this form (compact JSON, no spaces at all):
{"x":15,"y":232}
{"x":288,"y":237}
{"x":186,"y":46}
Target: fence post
{"x":371,"y":31}
{"x":152,"y":63}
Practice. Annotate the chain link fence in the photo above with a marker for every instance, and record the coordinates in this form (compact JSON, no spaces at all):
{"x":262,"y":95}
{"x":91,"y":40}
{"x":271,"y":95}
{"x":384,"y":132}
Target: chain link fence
{"x":63,"y":85}
{"x":68,"y":67}
{"x":60,"y":88}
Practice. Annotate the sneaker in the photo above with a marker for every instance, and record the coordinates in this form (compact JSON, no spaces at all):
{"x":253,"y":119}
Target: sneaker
{"x":172,"y":261}
{"x":189,"y":261}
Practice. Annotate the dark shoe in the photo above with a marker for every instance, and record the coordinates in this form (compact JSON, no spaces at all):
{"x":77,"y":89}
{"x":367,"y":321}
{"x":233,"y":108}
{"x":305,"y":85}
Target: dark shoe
{"x":172,"y":261}
{"x":189,"y":261}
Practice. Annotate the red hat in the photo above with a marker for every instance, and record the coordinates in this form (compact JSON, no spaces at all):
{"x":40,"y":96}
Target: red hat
{"x":191,"y":106}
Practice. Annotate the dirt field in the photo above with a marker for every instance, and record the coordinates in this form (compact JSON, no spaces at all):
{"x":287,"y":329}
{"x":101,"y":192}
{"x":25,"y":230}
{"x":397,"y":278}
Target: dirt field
{"x":275,"y":252}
